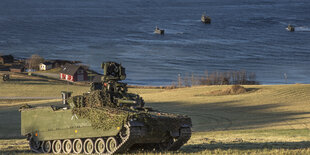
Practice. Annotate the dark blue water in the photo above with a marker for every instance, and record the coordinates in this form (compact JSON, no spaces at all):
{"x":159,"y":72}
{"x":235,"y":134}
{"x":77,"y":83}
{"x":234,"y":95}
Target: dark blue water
{"x":244,"y":35}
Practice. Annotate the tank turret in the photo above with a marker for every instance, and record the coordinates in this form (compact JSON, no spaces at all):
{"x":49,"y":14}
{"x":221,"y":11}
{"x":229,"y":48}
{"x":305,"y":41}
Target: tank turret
{"x":117,"y":91}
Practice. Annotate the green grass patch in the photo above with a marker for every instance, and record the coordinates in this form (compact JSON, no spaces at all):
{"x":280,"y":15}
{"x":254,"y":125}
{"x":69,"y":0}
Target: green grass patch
{"x":54,"y":70}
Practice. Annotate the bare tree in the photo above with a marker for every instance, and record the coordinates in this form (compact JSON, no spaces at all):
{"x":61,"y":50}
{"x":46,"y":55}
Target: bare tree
{"x":179,"y":81}
{"x":186,"y":80}
{"x":34,"y":61}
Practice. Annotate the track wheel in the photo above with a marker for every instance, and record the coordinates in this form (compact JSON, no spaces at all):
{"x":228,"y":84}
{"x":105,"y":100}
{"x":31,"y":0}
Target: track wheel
{"x":77,"y":146}
{"x":99,"y":146}
{"x":67,"y":146}
{"x":124,"y":133}
{"x":111,"y":145}
{"x":165,"y":145}
{"x":88,"y":146}
{"x":34,"y":145}
{"x":46,"y":147}
{"x":56,"y":146}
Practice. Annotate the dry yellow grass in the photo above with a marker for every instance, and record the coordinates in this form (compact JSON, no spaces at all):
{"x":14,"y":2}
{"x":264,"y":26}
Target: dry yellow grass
{"x":264,"y":107}
{"x":268,"y":119}
{"x":198,"y":145}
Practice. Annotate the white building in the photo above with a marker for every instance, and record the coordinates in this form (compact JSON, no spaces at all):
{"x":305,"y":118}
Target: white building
{"x":45,"y":66}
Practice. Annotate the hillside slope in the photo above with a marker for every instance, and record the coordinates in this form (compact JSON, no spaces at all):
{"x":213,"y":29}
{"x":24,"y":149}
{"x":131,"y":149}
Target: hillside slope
{"x":265,"y":119}
{"x":261,"y":107}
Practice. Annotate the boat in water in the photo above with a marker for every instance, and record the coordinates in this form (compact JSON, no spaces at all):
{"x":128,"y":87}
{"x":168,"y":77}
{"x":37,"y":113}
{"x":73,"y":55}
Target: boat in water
{"x":159,"y":31}
{"x":290,"y":28}
{"x":205,"y":19}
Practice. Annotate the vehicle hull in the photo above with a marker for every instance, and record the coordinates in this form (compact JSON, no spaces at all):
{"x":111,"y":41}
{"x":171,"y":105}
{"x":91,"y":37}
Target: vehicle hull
{"x":44,"y":123}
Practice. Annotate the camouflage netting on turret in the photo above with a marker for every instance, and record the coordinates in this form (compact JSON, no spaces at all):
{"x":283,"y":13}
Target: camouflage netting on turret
{"x":103,"y":111}
{"x":76,"y":101}
{"x":97,"y":98}
{"x":102,"y":118}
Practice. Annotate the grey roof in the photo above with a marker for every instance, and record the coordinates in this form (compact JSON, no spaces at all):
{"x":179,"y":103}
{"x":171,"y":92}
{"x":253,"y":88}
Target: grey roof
{"x":70,"y":69}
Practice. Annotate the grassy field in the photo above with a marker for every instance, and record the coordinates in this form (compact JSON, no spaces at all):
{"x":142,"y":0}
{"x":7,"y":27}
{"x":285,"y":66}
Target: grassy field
{"x":30,"y":86}
{"x":267,"y":119}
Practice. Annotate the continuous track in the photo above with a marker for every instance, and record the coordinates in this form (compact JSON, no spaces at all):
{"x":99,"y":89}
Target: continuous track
{"x":124,"y":142}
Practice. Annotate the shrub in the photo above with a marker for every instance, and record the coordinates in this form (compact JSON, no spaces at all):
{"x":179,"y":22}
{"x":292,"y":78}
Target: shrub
{"x":237,"y":89}
{"x":233,"y":90}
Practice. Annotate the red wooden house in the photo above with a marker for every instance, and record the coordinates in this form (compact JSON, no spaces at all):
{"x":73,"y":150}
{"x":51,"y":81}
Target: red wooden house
{"x":71,"y":72}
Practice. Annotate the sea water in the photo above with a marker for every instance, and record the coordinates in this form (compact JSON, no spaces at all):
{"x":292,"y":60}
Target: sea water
{"x":246,"y":35}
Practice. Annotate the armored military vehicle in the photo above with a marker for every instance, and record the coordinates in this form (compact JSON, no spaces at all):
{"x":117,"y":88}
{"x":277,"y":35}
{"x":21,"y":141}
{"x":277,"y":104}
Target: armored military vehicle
{"x":205,"y":19}
{"x":106,"y":120}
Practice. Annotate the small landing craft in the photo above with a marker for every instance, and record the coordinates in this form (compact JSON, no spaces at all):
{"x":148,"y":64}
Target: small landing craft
{"x":205,"y":19}
{"x":159,"y":31}
{"x":290,"y":28}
